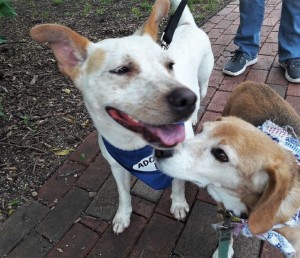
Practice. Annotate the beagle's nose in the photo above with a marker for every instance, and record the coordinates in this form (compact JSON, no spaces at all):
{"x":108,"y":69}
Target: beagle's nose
{"x":182,"y":101}
{"x":163,"y":153}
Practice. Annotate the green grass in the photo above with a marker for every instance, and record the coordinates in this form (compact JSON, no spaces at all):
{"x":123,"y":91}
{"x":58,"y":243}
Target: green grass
{"x":100,"y":11}
{"x":136,"y":11}
{"x":57,"y":1}
{"x":105,"y":1}
{"x":203,"y":9}
{"x":146,"y":6}
{"x":14,"y":202}
{"x":86,"y":9}
{"x":25,"y":119}
{"x":45,"y":14}
{"x":141,"y":8}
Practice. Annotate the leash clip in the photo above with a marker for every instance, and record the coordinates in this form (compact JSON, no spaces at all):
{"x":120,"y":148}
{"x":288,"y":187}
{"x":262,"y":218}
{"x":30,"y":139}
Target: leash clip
{"x":226,"y":228}
{"x":227,"y":218}
{"x":163,"y":43}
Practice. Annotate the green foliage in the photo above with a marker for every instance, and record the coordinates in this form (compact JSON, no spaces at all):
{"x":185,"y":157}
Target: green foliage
{"x":6,"y":10}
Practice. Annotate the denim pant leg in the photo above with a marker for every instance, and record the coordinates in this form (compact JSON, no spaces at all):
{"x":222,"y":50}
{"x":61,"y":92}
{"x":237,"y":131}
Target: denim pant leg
{"x":251,"y":19}
{"x":289,"y":30}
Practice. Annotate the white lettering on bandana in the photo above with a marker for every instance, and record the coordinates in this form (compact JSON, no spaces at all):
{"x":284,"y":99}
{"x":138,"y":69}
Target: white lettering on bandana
{"x":147,"y":164}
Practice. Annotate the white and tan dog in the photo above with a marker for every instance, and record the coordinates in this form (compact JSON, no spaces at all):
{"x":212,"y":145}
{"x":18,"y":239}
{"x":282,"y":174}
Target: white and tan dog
{"x":137,"y":93}
{"x":243,"y":168}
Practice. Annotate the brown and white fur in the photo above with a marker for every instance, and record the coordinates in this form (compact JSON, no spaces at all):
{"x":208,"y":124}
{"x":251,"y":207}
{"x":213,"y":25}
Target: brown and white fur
{"x":242,"y":168}
{"x":130,"y":84}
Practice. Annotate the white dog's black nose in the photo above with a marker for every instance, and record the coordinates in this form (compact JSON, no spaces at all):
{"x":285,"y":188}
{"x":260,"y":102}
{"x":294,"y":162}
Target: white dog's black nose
{"x":182,"y":101}
{"x":163,"y":153}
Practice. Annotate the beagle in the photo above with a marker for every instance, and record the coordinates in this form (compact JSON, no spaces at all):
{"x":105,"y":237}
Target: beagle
{"x":243,"y":168}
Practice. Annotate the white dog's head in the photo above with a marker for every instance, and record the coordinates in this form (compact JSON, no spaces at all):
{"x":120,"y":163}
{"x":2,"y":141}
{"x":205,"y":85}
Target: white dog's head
{"x":242,"y":167}
{"x":127,"y":83}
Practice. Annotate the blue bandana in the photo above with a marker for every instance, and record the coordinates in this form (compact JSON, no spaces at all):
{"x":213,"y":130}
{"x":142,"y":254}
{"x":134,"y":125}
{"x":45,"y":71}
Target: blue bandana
{"x":140,"y":163}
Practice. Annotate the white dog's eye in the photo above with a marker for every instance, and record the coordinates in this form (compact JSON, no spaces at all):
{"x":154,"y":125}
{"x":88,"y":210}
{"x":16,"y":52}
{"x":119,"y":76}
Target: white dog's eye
{"x":219,"y":154}
{"x":120,"y":70}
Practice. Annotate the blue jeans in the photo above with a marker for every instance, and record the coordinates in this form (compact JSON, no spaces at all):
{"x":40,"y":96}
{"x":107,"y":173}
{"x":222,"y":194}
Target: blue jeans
{"x":251,"y":19}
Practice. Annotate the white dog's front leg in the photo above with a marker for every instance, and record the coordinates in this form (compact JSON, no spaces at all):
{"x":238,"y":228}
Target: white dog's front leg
{"x":122,"y":217}
{"x":179,"y":207}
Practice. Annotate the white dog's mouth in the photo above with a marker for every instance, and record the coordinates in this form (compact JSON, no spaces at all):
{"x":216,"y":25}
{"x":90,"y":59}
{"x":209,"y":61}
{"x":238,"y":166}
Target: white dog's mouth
{"x":160,"y":135}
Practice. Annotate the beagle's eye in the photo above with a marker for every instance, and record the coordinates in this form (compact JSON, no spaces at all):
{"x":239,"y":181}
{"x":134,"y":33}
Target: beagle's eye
{"x":120,"y":70}
{"x":219,"y":154}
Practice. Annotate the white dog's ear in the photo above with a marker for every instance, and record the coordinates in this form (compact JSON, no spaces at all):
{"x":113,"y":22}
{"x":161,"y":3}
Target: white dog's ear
{"x":70,"y":48}
{"x":159,"y":11}
{"x":263,"y":214}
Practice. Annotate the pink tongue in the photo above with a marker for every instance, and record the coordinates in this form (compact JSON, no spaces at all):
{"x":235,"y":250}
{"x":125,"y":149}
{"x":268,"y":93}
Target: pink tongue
{"x":170,"y":134}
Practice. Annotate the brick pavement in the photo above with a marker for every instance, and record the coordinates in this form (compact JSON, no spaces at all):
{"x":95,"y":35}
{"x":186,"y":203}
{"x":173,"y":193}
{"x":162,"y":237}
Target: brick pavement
{"x":73,"y":213}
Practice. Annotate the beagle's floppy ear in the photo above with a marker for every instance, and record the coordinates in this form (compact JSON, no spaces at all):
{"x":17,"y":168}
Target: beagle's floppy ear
{"x":160,"y":10}
{"x":263,"y":214}
{"x":70,"y":48}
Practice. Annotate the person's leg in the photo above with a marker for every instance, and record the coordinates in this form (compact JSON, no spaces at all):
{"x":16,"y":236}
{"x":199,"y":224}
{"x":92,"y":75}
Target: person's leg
{"x":289,"y":30}
{"x":289,"y":39}
{"x":247,"y":37}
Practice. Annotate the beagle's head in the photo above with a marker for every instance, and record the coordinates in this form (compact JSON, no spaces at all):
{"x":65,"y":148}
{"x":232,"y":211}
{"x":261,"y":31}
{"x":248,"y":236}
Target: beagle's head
{"x":241,"y":166}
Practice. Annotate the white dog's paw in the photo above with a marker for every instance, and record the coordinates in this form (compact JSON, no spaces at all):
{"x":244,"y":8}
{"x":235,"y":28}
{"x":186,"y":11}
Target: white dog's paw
{"x":179,"y":209}
{"x":120,"y":222}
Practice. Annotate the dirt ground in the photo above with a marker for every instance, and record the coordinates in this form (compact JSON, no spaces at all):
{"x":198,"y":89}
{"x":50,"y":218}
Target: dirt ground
{"x":42,"y":115}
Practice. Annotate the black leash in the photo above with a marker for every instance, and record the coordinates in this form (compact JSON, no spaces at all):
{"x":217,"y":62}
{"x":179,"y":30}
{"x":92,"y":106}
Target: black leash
{"x":168,"y":33}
